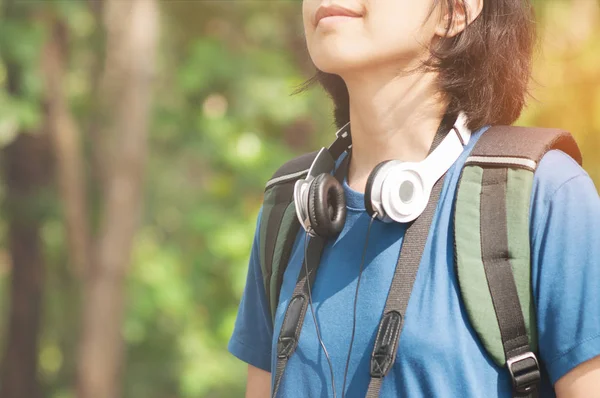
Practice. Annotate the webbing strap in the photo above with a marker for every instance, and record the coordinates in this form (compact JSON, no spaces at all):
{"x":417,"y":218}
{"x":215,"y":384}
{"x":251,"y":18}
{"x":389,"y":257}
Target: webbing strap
{"x":415,"y":238}
{"x":390,"y":328}
{"x":294,"y":316}
{"x":499,"y":274}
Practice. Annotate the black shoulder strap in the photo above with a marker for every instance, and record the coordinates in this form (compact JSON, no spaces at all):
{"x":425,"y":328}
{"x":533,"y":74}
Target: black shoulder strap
{"x":499,"y":150}
{"x":390,"y":327}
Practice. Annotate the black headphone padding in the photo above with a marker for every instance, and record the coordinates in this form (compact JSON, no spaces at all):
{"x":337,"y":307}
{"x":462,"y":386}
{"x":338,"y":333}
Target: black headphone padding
{"x":369,"y":185}
{"x":326,"y":206}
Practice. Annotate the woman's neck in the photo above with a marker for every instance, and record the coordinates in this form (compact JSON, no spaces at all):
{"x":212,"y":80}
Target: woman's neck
{"x":391,"y":118}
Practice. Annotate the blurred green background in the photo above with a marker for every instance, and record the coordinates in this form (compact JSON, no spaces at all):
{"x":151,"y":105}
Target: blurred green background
{"x":135,"y":140}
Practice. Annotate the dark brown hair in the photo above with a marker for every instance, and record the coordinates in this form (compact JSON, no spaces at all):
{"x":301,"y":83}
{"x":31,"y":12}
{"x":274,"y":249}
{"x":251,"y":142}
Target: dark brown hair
{"x":484,"y":70}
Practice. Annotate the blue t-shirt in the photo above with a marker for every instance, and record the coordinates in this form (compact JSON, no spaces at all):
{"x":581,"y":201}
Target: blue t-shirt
{"x":439,"y":354}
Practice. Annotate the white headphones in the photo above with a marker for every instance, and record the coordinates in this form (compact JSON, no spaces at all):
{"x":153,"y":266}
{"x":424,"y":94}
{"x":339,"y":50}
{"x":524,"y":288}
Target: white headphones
{"x":395,"y":190}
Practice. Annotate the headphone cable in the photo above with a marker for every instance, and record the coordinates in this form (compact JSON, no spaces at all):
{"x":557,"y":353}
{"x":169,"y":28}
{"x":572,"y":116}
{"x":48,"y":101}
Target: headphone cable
{"x":362,"y":264}
{"x":310,"y":302}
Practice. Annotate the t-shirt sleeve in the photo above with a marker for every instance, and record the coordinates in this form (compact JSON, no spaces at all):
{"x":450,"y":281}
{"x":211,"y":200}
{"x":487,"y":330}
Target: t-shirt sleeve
{"x":253,"y":331}
{"x":565,"y":264}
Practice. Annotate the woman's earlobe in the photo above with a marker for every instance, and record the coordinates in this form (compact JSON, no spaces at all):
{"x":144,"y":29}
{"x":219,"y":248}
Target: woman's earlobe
{"x":452,"y":25}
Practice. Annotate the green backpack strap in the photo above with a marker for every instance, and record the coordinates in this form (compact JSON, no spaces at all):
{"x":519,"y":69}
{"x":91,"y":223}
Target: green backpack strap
{"x":279,"y":225}
{"x":492,"y":209}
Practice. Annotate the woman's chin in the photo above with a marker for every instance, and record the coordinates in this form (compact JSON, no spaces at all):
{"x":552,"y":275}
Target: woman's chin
{"x":339,"y":63}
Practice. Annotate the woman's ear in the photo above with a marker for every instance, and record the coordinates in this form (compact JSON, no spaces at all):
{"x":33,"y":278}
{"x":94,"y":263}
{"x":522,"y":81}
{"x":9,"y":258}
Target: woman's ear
{"x":458,"y":16}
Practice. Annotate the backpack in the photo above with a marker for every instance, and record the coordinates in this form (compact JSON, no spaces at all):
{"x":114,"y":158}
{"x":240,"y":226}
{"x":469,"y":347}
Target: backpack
{"x":491,"y":207}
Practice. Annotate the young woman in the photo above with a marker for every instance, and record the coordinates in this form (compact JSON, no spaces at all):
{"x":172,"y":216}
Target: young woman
{"x":394,"y":68}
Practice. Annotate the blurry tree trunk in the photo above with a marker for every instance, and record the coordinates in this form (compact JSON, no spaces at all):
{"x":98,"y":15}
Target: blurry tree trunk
{"x":93,"y":128}
{"x":67,"y":147}
{"x":125,"y":92}
{"x":27,"y":174}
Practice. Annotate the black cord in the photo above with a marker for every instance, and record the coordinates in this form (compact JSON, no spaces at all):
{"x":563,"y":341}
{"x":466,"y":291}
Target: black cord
{"x":362,"y":264}
{"x":313,"y":314}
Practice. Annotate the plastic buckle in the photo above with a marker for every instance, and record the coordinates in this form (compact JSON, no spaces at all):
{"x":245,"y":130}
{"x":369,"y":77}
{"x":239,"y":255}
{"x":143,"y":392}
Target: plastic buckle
{"x":526,"y":378}
{"x":343,"y":132}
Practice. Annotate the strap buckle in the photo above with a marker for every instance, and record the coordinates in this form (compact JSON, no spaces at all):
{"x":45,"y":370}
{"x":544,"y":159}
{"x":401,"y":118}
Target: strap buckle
{"x":342,"y":143}
{"x":524,"y":372}
{"x":343,"y":132}
{"x":386,"y":344}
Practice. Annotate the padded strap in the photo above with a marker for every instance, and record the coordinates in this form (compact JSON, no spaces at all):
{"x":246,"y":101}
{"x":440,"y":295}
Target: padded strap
{"x":298,"y":167}
{"x":292,"y":170}
{"x":492,"y":207}
{"x":524,"y":142}
{"x":281,"y":198}
{"x":279,"y":225}
{"x":288,"y":230}
{"x":468,"y":228}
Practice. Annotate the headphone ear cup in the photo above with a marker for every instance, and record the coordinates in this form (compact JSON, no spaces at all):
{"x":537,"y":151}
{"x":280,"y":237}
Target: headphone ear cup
{"x":326,"y":206}
{"x":369,"y":189}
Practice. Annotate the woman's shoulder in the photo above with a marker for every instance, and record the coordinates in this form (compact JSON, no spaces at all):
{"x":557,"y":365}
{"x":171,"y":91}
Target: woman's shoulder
{"x":556,"y":172}
{"x":565,"y":258}
{"x":562,"y":193}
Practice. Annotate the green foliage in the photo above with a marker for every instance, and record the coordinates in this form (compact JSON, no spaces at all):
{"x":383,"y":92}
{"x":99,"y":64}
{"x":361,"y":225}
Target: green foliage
{"x":215,"y":141}
{"x":20,"y":99}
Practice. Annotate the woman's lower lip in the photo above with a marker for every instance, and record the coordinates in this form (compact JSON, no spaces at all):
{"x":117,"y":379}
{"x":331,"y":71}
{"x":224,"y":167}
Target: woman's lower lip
{"x":333,"y":19}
